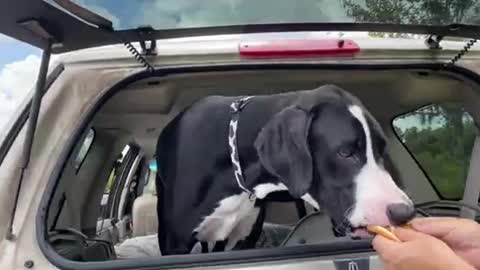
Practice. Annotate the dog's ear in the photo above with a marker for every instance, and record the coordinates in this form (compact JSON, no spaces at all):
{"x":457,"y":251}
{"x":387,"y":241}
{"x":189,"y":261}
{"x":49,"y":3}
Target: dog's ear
{"x":282,"y":146}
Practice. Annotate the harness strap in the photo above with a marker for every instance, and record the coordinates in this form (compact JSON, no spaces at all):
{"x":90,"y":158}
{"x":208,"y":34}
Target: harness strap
{"x":236,"y":107}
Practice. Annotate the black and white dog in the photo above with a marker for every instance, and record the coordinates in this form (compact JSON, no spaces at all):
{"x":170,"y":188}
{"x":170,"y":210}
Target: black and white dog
{"x":222,"y":154}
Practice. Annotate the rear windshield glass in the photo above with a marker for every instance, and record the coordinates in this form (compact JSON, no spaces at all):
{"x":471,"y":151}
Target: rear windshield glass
{"x":202,"y":13}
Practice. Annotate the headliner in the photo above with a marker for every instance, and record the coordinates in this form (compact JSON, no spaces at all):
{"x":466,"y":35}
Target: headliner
{"x":146,"y":106}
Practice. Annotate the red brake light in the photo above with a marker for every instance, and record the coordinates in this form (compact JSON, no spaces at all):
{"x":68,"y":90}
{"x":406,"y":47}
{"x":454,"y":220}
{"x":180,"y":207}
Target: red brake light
{"x":298,"y":47}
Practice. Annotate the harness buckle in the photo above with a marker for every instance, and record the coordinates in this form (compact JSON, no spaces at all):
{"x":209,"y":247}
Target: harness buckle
{"x":239,"y":104}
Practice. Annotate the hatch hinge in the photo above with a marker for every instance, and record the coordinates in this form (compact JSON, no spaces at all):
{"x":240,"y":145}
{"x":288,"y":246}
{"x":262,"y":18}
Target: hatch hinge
{"x":462,"y":52}
{"x":139,"y":57}
{"x":40,"y":29}
{"x":433,"y":42}
{"x":147,"y":42}
{"x":149,"y":47}
{"x":33,"y":115}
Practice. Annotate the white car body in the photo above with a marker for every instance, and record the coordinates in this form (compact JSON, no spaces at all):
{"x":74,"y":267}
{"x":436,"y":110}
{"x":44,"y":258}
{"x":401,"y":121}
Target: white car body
{"x":88,"y":74}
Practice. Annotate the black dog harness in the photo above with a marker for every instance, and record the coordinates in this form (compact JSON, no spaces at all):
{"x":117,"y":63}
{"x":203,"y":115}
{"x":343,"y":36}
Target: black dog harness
{"x":236,"y":107}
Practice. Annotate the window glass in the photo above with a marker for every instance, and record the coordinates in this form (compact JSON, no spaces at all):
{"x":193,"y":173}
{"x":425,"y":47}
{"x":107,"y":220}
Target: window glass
{"x":116,"y":168}
{"x":440,"y":137}
{"x":152,"y":170}
{"x":19,"y":65}
{"x":86,"y":145}
{"x":163,"y":14}
{"x":149,"y":186}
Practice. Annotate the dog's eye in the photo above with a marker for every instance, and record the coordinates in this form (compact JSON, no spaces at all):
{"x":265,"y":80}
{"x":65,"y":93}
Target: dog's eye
{"x":346,"y":151}
{"x":349,"y":150}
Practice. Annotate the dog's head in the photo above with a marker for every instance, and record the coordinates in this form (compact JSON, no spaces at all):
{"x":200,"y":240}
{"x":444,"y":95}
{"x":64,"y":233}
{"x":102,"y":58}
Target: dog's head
{"x":328,"y":150}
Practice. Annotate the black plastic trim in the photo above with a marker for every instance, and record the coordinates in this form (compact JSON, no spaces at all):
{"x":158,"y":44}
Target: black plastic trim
{"x":107,"y":37}
{"x":59,"y":211}
{"x":23,"y":116}
{"x":119,"y":185}
{"x":223,"y":258}
{"x":79,"y":166}
{"x":144,"y":177}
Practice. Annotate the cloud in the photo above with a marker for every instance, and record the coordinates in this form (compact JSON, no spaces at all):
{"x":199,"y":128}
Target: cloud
{"x":5,"y":39}
{"x":16,"y":80}
{"x":18,"y":77}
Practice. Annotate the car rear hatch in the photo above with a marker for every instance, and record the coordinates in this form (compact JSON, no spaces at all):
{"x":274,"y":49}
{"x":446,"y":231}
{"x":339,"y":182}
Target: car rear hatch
{"x":59,"y":26}
{"x":73,"y":25}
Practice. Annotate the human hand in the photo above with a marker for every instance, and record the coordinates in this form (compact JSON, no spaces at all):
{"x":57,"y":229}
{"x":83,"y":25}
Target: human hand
{"x":417,"y":251}
{"x":461,"y":235}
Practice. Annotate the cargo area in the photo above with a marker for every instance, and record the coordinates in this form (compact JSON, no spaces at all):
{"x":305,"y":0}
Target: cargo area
{"x":104,"y":206}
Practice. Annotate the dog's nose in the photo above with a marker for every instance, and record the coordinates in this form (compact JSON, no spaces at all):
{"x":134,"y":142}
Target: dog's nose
{"x":400,"y":213}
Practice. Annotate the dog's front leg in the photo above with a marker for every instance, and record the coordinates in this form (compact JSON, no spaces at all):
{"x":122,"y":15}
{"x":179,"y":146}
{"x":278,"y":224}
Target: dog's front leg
{"x":220,"y":246}
{"x":204,"y":247}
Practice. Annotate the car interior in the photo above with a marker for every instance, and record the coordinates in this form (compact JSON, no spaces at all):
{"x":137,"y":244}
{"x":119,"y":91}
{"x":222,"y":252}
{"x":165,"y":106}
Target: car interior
{"x":105,"y":200}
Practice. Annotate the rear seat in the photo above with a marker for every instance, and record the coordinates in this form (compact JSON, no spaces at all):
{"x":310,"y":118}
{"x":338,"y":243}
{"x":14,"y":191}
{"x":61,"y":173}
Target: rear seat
{"x":144,"y":241}
{"x":280,"y":219}
{"x":144,"y":212}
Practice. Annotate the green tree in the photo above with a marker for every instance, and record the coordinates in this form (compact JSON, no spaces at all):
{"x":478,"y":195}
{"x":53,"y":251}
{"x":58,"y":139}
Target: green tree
{"x":445,"y":150}
{"x":428,"y":12}
{"x":441,"y":142}
{"x":433,"y":12}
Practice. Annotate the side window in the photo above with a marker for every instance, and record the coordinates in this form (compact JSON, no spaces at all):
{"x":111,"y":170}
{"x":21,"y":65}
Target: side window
{"x":149,"y":185}
{"x":440,"y":137}
{"x":110,"y":186}
{"x":82,"y":153}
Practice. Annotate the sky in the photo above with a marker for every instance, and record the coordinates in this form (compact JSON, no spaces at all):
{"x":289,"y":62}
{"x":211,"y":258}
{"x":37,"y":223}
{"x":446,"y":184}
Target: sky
{"x":19,"y":63}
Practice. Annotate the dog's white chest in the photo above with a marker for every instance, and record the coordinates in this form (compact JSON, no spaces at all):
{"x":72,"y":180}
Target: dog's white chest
{"x":232,"y":219}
